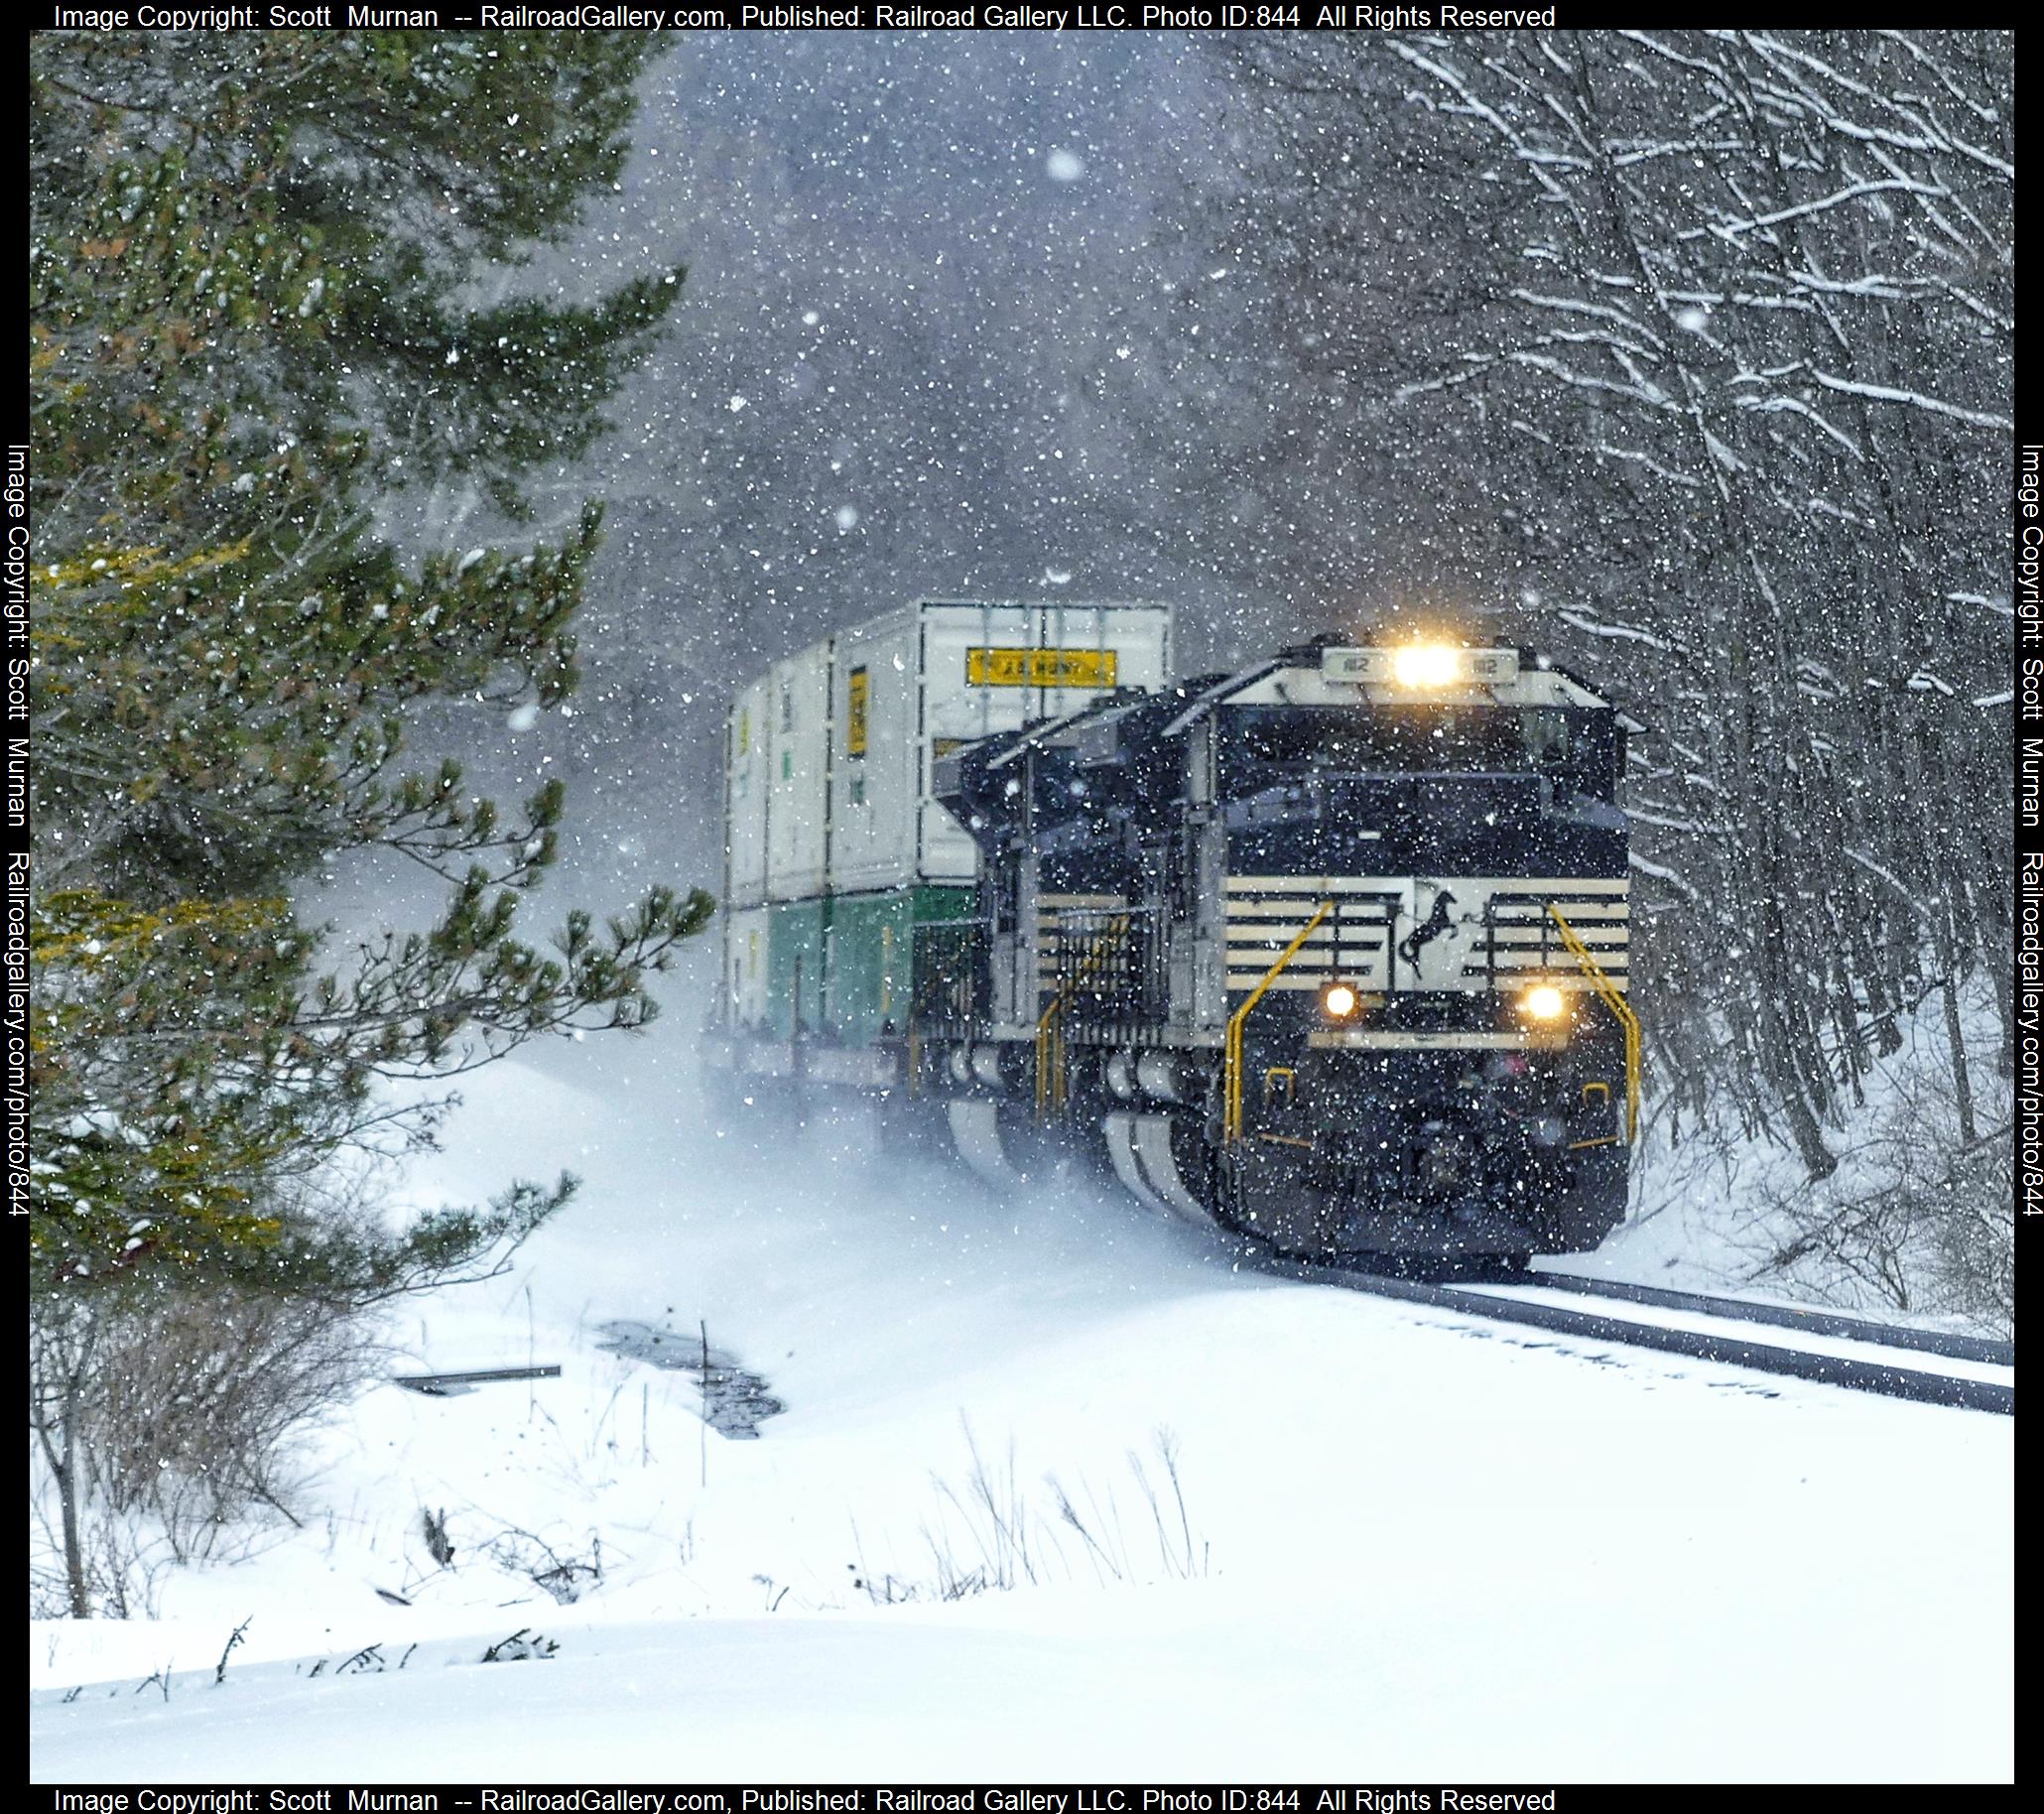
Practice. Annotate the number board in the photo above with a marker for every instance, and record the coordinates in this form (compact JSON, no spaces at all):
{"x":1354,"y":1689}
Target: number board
{"x":1040,"y":667}
{"x":1485,"y":667}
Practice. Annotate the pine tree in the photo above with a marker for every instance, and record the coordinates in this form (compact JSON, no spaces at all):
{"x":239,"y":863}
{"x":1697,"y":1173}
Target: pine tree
{"x":274,"y":285}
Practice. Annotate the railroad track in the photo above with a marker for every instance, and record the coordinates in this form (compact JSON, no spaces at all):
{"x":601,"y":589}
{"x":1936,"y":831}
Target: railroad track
{"x":1788,"y":1316}
{"x":1528,"y":1299}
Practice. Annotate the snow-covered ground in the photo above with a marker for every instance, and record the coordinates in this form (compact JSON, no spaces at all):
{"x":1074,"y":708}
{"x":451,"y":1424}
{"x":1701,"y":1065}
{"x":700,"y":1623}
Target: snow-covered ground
{"x":1731,"y":1216}
{"x":1408,"y":1543}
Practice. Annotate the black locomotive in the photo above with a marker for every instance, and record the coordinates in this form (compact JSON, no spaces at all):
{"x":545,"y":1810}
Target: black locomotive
{"x":1330,"y":951}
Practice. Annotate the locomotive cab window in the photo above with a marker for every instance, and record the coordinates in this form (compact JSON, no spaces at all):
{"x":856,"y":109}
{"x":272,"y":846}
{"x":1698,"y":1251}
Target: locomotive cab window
{"x":1266,"y":746}
{"x":1580,"y":750}
{"x":1546,"y":731}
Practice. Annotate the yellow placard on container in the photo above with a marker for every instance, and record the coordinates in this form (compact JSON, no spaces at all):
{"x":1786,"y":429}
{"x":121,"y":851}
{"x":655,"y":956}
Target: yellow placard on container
{"x":855,"y":688}
{"x":1040,"y":667}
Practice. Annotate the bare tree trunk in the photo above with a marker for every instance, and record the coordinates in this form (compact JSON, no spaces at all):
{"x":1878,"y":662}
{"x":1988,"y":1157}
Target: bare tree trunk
{"x":67,"y":1500}
{"x":1962,"y":1078}
{"x":57,"y":1432}
{"x":58,"y":1355}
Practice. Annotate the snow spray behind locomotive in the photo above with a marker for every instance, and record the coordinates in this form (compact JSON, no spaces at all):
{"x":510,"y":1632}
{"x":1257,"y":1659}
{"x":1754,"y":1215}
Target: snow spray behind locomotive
{"x":1330,"y":952}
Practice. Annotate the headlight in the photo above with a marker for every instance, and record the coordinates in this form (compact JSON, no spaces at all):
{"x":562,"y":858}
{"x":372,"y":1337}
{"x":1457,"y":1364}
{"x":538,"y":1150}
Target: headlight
{"x":1338,"y":1001}
{"x":1543,"y":1001}
{"x":1425,"y":664}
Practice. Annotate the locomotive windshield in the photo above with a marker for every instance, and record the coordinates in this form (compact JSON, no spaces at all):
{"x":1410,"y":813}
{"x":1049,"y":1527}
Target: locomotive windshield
{"x":1262,"y":746}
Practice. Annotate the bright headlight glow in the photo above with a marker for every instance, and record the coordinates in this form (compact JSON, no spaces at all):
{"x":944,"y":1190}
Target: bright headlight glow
{"x":1425,"y":664}
{"x":1338,"y":1001}
{"x":1543,"y":1001}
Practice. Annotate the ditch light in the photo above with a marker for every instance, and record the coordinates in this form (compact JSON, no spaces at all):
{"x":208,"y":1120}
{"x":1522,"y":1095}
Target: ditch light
{"x":1340,"y":1001}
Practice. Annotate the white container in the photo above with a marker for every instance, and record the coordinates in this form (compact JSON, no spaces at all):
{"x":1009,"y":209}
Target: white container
{"x":939,"y":674}
{"x":747,"y":735}
{"x":798,"y":800}
{"x":828,"y":754}
{"x":875,"y":791}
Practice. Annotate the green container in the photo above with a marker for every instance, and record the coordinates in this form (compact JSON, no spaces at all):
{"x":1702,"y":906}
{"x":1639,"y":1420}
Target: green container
{"x":798,"y":940}
{"x":870,"y":942}
{"x":839,"y":964}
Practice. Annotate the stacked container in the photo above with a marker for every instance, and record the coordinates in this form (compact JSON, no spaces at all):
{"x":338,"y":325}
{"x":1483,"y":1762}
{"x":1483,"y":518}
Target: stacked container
{"x":835,"y":849}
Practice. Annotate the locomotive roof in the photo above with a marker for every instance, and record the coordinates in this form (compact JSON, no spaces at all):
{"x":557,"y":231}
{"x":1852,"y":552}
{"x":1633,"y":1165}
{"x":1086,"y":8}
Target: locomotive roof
{"x":1293,"y":677}
{"x":1111,"y":708}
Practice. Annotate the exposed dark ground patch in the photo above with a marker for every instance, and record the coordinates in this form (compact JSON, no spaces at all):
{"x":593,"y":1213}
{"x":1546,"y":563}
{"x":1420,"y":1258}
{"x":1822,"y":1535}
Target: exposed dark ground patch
{"x":735,"y":1402}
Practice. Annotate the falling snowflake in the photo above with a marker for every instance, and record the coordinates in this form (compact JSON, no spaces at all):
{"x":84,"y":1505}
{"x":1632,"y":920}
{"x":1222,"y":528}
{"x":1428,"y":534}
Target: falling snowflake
{"x":737,"y":404}
{"x":1065,"y":165}
{"x":846,"y":516}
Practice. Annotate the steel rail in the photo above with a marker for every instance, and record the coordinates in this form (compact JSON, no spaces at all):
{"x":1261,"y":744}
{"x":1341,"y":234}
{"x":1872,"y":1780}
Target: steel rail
{"x":1785,"y":1316}
{"x":1697,"y":1345}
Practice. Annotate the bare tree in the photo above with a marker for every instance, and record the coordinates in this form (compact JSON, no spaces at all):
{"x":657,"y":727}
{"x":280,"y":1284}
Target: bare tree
{"x":1706,"y":338}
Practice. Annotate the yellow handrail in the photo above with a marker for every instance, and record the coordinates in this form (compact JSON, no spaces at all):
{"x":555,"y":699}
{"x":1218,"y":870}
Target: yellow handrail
{"x":1049,"y":1033}
{"x":1620,"y":1009}
{"x":1050,"y":1054}
{"x":1231,"y":1057}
